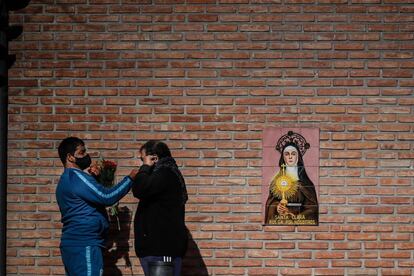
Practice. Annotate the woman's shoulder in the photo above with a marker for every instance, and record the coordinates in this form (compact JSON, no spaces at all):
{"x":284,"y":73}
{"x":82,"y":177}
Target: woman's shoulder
{"x":165,"y":172}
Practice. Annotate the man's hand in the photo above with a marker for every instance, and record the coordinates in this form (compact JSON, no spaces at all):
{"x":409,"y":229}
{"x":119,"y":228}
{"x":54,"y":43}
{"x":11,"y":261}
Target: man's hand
{"x":94,"y":169}
{"x":133,"y":174}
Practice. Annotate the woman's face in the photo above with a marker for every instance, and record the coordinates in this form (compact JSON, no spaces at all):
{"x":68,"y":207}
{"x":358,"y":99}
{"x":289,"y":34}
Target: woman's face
{"x":290,"y":155}
{"x":149,"y":160}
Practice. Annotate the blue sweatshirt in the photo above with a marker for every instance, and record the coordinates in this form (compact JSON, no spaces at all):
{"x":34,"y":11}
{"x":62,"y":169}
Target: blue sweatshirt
{"x":82,"y":201}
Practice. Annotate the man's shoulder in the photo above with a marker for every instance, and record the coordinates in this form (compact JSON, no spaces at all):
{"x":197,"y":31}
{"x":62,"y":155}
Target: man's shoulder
{"x":66,"y":181}
{"x":78,"y":176}
{"x":72,"y":172}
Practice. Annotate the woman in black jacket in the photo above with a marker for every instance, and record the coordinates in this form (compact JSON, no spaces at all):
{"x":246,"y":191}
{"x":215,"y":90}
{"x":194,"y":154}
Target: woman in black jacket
{"x":159,"y":225}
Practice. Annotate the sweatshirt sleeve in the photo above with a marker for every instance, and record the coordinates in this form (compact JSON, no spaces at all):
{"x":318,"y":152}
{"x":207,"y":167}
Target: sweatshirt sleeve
{"x":91,"y":191}
{"x":147,"y":183}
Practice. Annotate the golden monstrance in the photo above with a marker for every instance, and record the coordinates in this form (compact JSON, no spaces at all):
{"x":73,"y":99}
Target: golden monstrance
{"x":284,"y":186}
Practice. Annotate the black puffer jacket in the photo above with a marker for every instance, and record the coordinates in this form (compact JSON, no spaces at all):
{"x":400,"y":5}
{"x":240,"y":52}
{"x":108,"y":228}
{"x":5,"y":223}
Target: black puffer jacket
{"x":159,"y":223}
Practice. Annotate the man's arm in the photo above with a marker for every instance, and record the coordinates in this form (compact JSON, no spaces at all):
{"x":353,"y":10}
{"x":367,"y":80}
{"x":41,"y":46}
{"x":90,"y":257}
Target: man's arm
{"x":90,"y":190}
{"x":148,"y":184}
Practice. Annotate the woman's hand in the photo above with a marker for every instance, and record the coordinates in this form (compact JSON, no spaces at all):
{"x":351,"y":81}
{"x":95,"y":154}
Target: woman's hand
{"x":282,"y":209}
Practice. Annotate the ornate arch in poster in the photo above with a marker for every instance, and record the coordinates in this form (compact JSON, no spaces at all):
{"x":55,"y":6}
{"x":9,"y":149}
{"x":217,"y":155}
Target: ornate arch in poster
{"x":290,"y":179}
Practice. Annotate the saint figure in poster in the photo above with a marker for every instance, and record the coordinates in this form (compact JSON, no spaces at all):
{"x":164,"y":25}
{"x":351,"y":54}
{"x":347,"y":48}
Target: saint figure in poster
{"x":292,"y":197}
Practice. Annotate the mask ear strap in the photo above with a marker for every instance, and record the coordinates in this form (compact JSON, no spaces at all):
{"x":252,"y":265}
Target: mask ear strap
{"x":69,"y":156}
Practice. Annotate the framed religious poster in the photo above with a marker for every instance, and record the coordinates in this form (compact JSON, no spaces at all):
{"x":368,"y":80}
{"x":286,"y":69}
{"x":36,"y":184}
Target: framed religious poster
{"x":290,"y":183}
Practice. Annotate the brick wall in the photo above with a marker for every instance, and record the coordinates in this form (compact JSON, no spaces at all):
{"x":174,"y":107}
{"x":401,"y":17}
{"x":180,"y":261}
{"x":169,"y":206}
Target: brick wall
{"x":207,"y":77}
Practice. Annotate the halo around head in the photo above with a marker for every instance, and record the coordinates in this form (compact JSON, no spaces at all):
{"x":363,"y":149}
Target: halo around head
{"x":292,"y":138}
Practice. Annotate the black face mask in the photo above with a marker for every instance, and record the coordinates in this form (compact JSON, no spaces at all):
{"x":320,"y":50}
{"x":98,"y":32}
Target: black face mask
{"x":83,"y":162}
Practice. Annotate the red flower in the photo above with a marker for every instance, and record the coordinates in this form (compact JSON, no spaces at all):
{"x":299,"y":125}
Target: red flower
{"x":106,"y":177}
{"x":107,"y":172}
{"x":108,"y":164}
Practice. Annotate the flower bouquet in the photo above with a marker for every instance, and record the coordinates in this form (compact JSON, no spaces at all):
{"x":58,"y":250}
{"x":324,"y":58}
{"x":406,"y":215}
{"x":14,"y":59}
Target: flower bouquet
{"x":104,"y":173}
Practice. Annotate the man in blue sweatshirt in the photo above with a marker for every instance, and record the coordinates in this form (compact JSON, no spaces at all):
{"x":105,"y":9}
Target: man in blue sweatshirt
{"x":82,"y":201}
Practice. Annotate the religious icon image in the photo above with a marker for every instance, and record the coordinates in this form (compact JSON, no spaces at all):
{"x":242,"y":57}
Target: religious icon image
{"x":289,"y":194}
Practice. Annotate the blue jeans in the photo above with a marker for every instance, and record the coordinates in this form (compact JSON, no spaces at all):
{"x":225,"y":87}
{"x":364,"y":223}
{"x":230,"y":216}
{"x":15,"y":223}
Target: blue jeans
{"x":177,"y":261}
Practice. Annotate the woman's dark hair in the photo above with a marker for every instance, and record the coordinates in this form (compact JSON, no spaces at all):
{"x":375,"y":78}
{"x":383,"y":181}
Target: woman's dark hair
{"x":155,"y":147}
{"x":68,"y":146}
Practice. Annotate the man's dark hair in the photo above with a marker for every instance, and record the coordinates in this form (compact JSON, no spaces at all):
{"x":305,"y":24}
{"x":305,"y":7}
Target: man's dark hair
{"x":155,"y":147}
{"x":68,"y":146}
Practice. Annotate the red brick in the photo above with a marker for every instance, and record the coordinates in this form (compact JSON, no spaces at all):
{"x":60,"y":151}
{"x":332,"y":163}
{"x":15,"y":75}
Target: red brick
{"x":296,"y":271}
{"x":262,"y":271}
{"x":313,"y":263}
{"x":399,"y":272}
{"x":379,"y":263}
{"x":312,"y":245}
